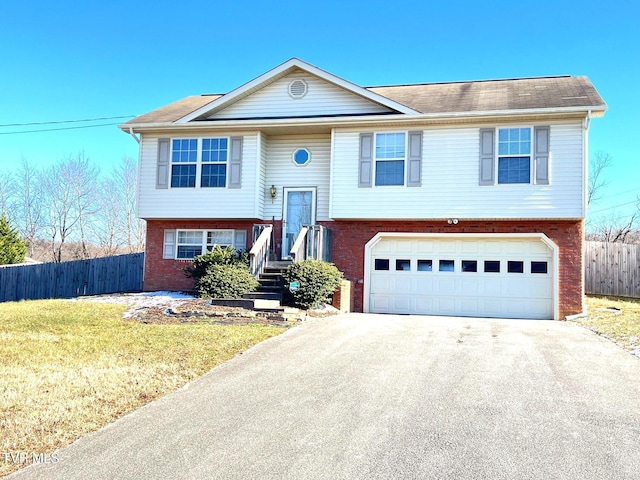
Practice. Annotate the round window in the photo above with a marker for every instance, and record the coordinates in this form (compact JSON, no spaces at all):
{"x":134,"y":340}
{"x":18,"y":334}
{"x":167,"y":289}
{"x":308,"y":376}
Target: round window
{"x":301,"y":156}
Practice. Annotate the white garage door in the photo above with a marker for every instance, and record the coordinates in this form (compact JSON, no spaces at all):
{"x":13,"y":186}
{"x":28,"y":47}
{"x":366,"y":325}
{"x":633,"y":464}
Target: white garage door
{"x":505,"y":277}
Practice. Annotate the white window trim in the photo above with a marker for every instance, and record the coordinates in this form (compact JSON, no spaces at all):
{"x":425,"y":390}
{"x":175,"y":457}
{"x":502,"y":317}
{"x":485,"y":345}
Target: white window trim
{"x":375,"y":159}
{"x":498,"y":156}
{"x":199,"y":163}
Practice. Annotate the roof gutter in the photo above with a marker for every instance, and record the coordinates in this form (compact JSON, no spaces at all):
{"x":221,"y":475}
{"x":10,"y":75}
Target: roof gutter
{"x":365,"y":120}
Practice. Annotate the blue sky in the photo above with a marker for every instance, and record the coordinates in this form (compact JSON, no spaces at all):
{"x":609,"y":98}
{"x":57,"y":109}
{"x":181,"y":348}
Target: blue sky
{"x":71,"y":60}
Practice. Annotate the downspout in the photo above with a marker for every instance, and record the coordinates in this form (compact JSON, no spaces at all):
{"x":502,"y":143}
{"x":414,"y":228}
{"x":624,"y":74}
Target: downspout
{"x":585,"y":205}
{"x":137,"y":139}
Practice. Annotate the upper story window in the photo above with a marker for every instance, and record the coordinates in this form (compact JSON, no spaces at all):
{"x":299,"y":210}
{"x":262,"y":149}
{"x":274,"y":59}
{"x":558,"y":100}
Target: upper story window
{"x":514,"y":155}
{"x":184,"y":157}
{"x":205,"y":159}
{"x":214,"y":162}
{"x":390,"y":155}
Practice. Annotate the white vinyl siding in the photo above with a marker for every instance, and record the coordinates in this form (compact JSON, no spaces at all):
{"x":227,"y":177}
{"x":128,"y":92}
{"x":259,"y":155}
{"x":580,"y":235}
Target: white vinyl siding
{"x":450,"y":187}
{"x":322,"y":98}
{"x":197,"y":202}
{"x":281,"y":171}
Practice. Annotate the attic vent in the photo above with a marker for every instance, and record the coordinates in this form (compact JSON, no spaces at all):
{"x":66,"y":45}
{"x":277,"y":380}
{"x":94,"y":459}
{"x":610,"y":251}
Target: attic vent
{"x":298,"y":88}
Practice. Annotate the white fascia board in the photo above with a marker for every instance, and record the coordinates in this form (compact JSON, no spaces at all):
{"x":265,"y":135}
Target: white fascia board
{"x":280,"y":71}
{"x":364,"y":120}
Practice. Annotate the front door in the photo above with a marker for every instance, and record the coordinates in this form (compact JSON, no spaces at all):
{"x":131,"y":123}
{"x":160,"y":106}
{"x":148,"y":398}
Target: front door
{"x":299,"y":209}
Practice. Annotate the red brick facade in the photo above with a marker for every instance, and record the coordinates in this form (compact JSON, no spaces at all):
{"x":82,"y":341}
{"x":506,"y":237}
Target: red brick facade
{"x":350,"y":237}
{"x":162,"y":274}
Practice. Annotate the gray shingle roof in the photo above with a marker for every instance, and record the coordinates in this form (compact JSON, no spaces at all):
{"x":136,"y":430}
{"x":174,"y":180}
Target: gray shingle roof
{"x":495,"y":95}
{"x":174,"y":111}
{"x":455,"y":97}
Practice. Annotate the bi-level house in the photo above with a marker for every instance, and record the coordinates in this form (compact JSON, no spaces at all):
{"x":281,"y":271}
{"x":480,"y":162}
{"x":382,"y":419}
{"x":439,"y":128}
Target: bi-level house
{"x":464,"y":198}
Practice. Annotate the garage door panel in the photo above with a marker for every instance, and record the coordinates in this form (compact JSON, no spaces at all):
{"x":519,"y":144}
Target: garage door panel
{"x":424,"y":246}
{"x":492,"y":247}
{"x":424,"y":284}
{"x":405,"y":246}
{"x":447,"y":246}
{"x":540,"y":288}
{"x":380,"y":283}
{"x":445,"y":306}
{"x":469,"y":306}
{"x":403,"y":283}
{"x":470,"y":247}
{"x":471,"y":286}
{"x":500,"y":291}
{"x":424,"y":304}
{"x":380,"y":303}
{"x":444,"y":286}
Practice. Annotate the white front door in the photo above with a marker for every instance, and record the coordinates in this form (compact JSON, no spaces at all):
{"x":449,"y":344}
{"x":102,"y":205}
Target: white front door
{"x":299,"y":209}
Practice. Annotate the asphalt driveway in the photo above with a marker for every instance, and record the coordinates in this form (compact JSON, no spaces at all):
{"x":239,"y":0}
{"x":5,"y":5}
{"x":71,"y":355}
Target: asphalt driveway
{"x":387,"y":397}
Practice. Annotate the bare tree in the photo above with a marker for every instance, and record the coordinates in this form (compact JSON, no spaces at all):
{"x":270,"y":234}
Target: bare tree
{"x":70,"y":186}
{"x":84,"y":181}
{"x":105,"y":229}
{"x":601,"y":161}
{"x":118,"y":228}
{"x":29,"y":202}
{"x":7,"y":189}
{"x":126,"y":175}
{"x":615,"y":228}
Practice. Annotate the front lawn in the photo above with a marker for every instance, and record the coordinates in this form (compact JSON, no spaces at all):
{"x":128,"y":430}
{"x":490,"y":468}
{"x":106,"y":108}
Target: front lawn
{"x":616,"y":318}
{"x":69,"y":368}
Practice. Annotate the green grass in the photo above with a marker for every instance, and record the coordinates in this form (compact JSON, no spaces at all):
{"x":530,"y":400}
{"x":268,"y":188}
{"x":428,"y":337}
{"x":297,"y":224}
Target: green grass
{"x":69,"y":368}
{"x":616,"y":318}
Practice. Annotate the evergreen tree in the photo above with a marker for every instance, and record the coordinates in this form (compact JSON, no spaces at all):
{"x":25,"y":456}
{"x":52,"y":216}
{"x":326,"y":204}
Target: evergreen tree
{"x":12,"y":248}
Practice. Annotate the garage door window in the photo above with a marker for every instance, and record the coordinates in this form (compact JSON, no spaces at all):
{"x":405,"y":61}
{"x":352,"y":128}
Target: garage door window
{"x":515,"y":267}
{"x":425,"y":265}
{"x":492,"y":266}
{"x":538,"y":267}
{"x":446,"y":266}
{"x":403,"y":265}
{"x":382,"y":264}
{"x":469,"y":265}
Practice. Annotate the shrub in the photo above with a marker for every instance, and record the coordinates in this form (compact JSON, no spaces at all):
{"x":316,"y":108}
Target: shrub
{"x":318,"y":280}
{"x":217,"y":256}
{"x":226,"y":281}
{"x":222,"y":273}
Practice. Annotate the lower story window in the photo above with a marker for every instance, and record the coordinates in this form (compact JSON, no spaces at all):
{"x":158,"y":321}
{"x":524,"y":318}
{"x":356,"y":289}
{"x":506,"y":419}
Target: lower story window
{"x":191,"y":243}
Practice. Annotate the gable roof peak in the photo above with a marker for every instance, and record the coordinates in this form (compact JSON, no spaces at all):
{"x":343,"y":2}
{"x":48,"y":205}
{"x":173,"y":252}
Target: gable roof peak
{"x":282,"y":70}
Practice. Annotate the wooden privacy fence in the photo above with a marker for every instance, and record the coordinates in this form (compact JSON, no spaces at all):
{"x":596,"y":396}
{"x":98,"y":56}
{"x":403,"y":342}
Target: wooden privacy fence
{"x":121,"y":273}
{"x":612,"y":269}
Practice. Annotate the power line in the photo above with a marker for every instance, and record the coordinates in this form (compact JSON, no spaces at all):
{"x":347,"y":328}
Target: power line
{"x":64,"y":121}
{"x":612,"y":207}
{"x":57,"y":129}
